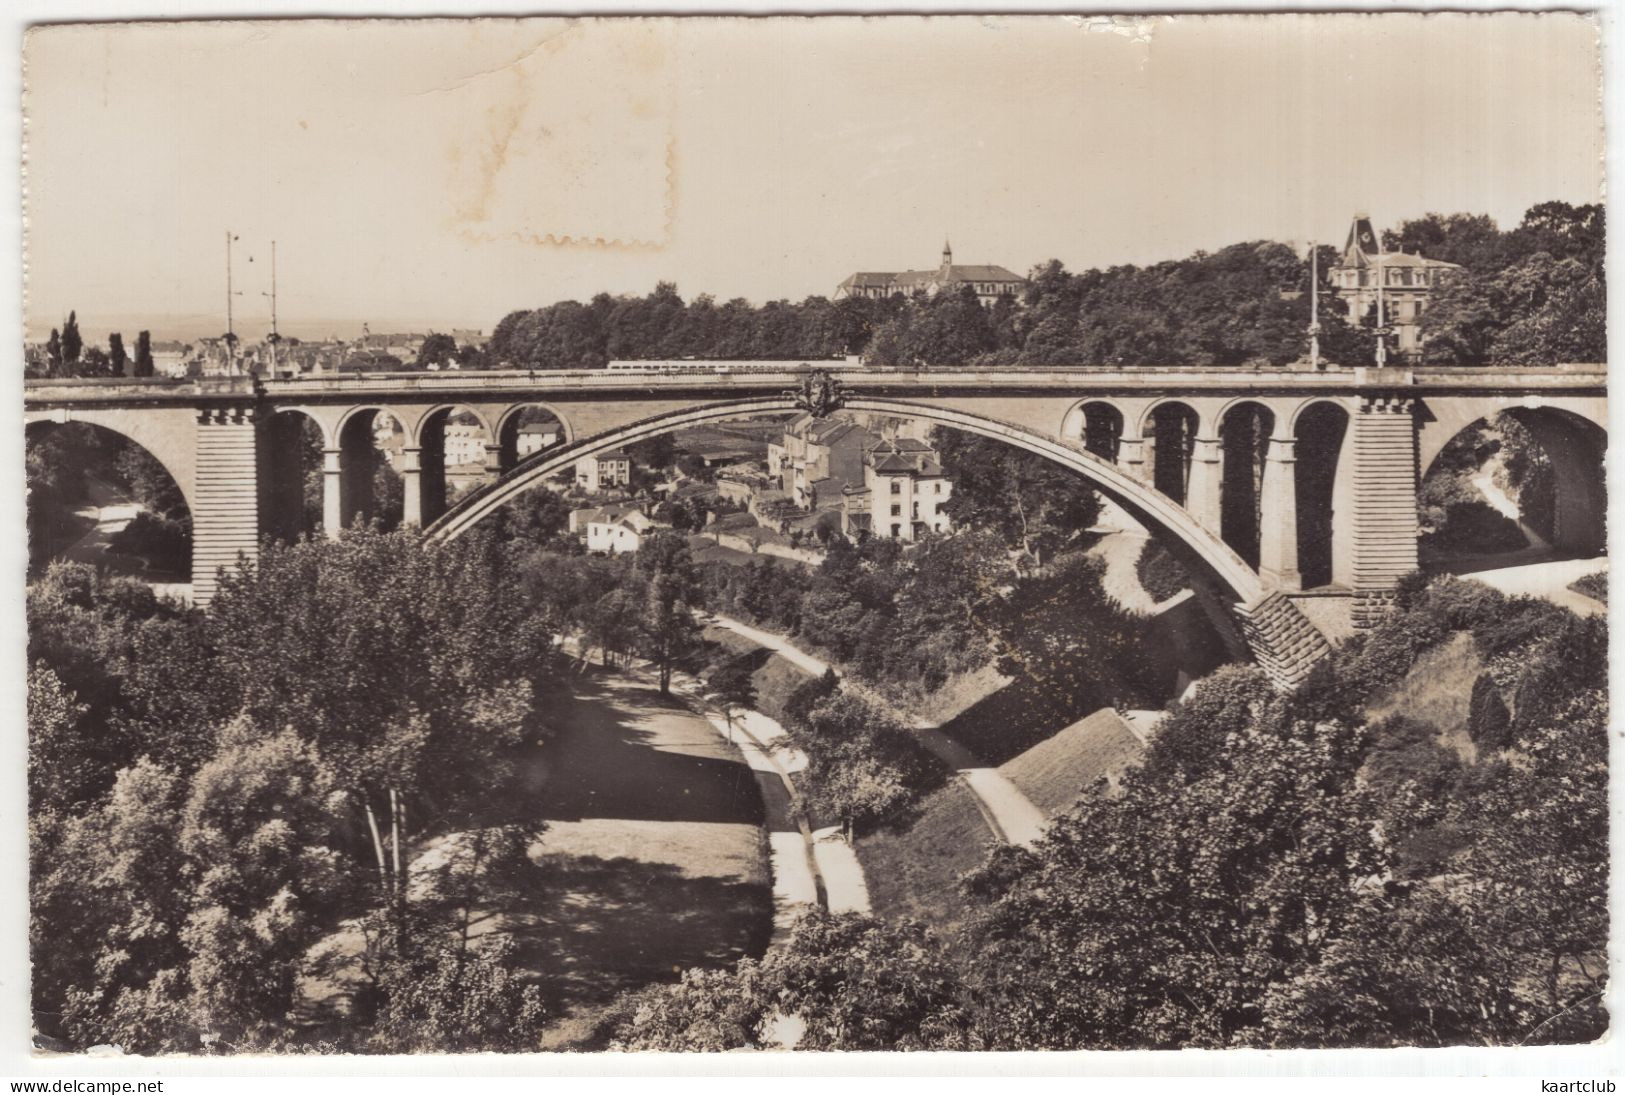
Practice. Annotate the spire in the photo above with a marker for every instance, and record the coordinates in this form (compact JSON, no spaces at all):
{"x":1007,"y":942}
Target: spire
{"x":1361,"y":236}
{"x":947,"y":257}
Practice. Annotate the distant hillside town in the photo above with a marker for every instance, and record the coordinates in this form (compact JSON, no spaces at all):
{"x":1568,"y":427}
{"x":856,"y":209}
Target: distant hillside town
{"x":1447,"y":290}
{"x":766,"y":486}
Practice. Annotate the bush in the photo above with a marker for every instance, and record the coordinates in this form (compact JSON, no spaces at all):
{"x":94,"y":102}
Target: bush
{"x":1465,"y":605}
{"x":1393,"y":646}
{"x":1475,"y":528}
{"x":1406,"y":751}
{"x":164,"y":543}
{"x":1159,"y":572}
{"x":1489,"y":723}
{"x":864,"y":768}
{"x":1521,"y":622}
{"x":1594,"y":586}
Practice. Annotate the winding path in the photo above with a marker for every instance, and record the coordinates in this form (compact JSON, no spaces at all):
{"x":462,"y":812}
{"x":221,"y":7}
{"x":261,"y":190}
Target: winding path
{"x":1010,"y":815}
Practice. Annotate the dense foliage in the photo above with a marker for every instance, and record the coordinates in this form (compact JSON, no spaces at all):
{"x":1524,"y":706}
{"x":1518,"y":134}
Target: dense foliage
{"x":1279,"y":872}
{"x":1534,"y":295}
{"x":210,"y":794}
{"x":1531,"y":295}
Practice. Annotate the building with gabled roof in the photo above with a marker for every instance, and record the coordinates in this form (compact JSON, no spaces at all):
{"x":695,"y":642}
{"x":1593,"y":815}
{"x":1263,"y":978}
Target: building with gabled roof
{"x":904,"y":495}
{"x":991,"y":283}
{"x":1407,"y":281}
{"x":817,"y":458}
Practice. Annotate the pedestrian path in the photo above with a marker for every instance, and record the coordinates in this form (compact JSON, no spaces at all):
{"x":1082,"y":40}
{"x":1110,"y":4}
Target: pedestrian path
{"x":775,"y":643}
{"x":844,"y":885}
{"x":1010,"y":814}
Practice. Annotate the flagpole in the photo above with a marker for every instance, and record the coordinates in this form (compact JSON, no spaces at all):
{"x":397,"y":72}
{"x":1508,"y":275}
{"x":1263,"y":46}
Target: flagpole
{"x":1314,"y":305}
{"x":1382,"y":320}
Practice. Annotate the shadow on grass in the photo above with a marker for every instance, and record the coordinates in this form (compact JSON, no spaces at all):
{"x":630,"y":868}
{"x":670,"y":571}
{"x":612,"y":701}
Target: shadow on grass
{"x":1019,"y":716}
{"x":595,"y":928}
{"x":607,"y":761}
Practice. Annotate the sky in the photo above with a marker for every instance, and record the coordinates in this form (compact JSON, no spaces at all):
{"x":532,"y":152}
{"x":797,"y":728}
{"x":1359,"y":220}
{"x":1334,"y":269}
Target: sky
{"x":428,"y":174}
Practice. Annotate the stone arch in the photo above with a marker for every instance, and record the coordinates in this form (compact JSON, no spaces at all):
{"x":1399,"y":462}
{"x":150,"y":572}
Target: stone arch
{"x":1575,"y":444}
{"x":1245,"y":427}
{"x":1196,"y":544}
{"x":1099,"y":424}
{"x":51,"y":535}
{"x":506,"y":434}
{"x":440,"y":448}
{"x":359,"y":462}
{"x":285,"y":462}
{"x":1171,"y":428}
{"x":415,"y":431}
{"x":168,"y":434}
{"x":1322,"y":442}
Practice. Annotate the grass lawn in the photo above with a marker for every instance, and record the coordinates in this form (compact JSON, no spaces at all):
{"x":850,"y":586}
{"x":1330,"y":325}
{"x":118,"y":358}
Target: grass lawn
{"x":1055,"y":771}
{"x":1437,"y":691}
{"x":913,"y":872}
{"x":775,"y":678}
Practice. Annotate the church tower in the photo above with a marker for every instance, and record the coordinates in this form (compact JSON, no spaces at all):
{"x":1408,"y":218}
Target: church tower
{"x":947,"y":258}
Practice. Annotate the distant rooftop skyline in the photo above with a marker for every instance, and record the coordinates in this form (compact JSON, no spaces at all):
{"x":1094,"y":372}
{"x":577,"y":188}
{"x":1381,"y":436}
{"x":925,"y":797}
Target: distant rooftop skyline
{"x":438,"y":173}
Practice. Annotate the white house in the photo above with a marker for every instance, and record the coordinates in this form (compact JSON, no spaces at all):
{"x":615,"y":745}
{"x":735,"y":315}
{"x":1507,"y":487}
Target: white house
{"x":904,"y":494}
{"x":607,"y":469}
{"x":623,"y":533}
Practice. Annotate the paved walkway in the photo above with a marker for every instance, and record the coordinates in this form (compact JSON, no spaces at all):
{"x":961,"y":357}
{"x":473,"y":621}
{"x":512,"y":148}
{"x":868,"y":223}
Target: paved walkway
{"x":795,"y":862}
{"x":1550,"y":580}
{"x":1010,"y":815}
{"x":776,"y":643}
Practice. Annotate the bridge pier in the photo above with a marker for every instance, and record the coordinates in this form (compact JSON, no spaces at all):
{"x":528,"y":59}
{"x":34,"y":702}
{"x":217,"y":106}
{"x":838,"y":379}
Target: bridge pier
{"x":332,"y":492}
{"x":412,"y":487}
{"x":1278,"y":523}
{"x":1384,"y":502}
{"x":1205,"y":488}
{"x":225,"y":514}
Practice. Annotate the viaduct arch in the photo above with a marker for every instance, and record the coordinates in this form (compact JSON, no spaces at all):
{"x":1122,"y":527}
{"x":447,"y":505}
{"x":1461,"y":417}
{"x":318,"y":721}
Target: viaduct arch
{"x":1266,"y":481}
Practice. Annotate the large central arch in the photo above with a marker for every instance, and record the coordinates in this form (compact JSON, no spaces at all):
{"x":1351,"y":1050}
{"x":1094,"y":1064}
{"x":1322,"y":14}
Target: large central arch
{"x":1140,"y":499}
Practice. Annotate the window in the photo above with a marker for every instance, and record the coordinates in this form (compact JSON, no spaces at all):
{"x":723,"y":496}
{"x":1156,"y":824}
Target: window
{"x":896,"y":531}
{"x":916,"y":513}
{"x":896,"y":487}
{"x":896,"y":510}
{"x":939,"y":487}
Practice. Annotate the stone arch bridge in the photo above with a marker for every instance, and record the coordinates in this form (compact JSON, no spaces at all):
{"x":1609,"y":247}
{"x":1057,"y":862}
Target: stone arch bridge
{"x":1285,"y":492}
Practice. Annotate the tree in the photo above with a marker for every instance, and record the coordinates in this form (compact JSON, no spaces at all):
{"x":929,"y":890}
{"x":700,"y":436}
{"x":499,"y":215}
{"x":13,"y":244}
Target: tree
{"x":53,"y":352}
{"x":1220,"y":885}
{"x":1489,"y":723}
{"x":459,"y":999}
{"x":840,"y":982}
{"x":96,"y":363}
{"x":143,"y":354}
{"x":257,"y":826}
{"x":72,"y":343}
{"x":1033,"y":503}
{"x":669,"y":593}
{"x":425,"y":693}
{"x":61,"y":758}
{"x":863,"y":765}
{"x":118,"y":360}
{"x":731,"y":689}
{"x":436,"y":350}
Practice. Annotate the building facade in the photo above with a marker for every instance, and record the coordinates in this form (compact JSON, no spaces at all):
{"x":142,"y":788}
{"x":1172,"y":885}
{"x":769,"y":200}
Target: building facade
{"x":904,"y":494}
{"x":817,"y":458}
{"x":1407,"y":281}
{"x":606,"y":470}
{"x":991,"y":283}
